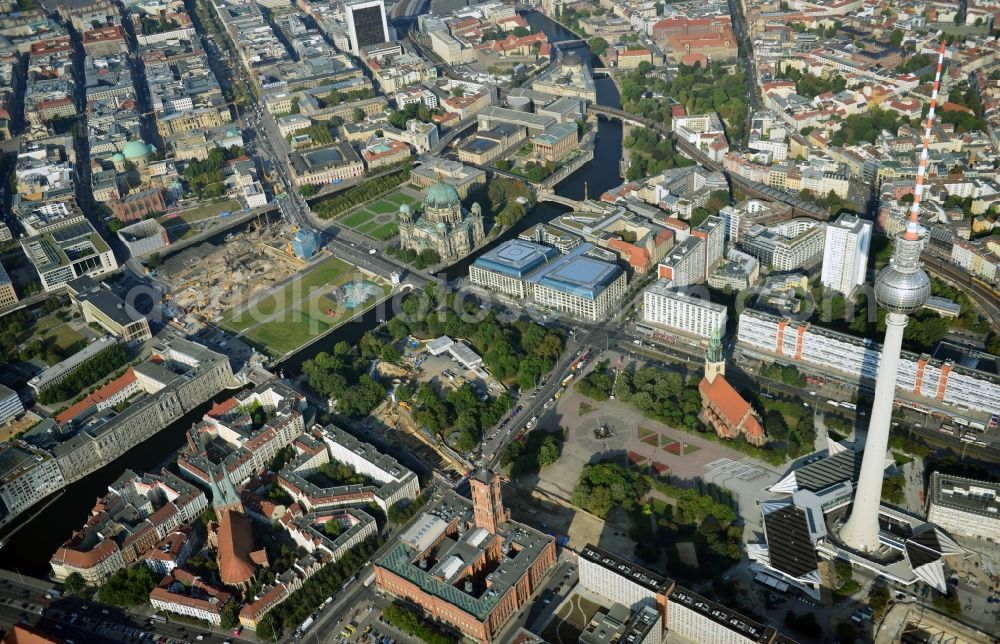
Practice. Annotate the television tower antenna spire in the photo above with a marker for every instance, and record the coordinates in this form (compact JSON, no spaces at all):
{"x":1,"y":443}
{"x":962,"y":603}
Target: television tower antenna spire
{"x":913,"y":226}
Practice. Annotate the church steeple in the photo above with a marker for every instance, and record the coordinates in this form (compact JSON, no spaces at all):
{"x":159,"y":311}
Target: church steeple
{"x":715,"y":362}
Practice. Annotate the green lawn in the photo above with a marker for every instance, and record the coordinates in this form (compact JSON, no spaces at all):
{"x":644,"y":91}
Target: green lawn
{"x":331,"y":271}
{"x":383,"y":207}
{"x":372,"y":219}
{"x":302,"y":323}
{"x":366,"y":227}
{"x":385,"y":231}
{"x":357,"y":218}
{"x":206,"y":211}
{"x":65,"y":337}
{"x":399,"y":199}
{"x":280,"y":337}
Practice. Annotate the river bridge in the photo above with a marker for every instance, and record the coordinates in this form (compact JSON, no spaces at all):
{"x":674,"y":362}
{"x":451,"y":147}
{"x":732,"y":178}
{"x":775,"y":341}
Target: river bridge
{"x":547,"y":194}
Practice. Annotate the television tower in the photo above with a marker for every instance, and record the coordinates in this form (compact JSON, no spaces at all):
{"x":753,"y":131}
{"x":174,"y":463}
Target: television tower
{"x":901,"y":288}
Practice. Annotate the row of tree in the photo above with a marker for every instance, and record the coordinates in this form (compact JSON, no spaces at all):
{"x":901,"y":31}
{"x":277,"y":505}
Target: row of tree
{"x":419,"y":260}
{"x":369,"y":189}
{"x":407,"y":620}
{"x":80,"y":379}
{"x":327,"y":581}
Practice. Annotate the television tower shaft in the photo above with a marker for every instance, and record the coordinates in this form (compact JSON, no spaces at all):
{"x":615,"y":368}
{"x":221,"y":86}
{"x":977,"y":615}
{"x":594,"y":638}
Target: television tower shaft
{"x":901,"y":288}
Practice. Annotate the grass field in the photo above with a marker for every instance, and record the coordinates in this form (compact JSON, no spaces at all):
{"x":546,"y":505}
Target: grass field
{"x":303,"y":306}
{"x":329,"y":272}
{"x":378,"y":219}
{"x":302,"y":323}
{"x":52,"y":330}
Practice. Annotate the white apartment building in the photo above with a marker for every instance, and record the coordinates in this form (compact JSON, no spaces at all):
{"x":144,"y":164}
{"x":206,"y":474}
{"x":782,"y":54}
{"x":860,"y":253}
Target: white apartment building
{"x":697,"y":619}
{"x":964,"y":506}
{"x":398,"y":482}
{"x":822,"y":182}
{"x":828,"y":352}
{"x":366,"y":24}
{"x":735,"y":217}
{"x":976,"y":259}
{"x":845,"y":254}
{"x":679,"y":311}
{"x":621,"y":581}
{"x":29,"y":475}
{"x":10,"y":405}
{"x":685,"y":264}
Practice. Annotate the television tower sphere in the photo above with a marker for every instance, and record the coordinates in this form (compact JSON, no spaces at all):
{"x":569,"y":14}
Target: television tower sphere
{"x":903,"y":286}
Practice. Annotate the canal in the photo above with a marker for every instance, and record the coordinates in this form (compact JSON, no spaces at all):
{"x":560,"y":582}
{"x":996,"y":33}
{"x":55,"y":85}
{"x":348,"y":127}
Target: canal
{"x":28,"y":550}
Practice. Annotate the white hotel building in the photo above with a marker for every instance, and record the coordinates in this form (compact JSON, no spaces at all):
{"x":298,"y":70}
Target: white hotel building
{"x":829,"y":352}
{"x":845,"y":255}
{"x":680,"y":311}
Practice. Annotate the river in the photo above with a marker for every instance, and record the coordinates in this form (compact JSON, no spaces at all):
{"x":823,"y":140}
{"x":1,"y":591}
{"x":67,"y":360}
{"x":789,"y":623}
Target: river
{"x":30,"y":548}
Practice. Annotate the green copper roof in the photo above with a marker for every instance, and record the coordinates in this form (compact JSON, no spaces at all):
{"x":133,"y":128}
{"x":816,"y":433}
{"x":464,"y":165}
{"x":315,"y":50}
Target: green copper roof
{"x":441,"y":195}
{"x":135,"y":150}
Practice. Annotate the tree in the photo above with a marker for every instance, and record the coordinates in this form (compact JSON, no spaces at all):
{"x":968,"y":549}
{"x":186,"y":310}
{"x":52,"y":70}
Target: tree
{"x":358,"y":115}
{"x":230,"y":615}
{"x":128,"y":586}
{"x":308,"y":190}
{"x":896,"y":37}
{"x":598,"y":46}
{"x":75,"y":585}
{"x":878,"y":598}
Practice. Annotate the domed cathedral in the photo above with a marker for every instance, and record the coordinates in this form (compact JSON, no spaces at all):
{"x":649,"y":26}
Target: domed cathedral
{"x":444,"y":225}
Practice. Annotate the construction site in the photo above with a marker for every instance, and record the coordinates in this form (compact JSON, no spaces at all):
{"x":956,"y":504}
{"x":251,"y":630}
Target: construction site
{"x":206,"y":281}
{"x":394,"y":422}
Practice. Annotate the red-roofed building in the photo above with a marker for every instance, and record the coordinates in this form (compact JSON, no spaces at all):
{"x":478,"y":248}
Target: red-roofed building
{"x":637,"y":257}
{"x":186,"y":594}
{"x":722,"y":407}
{"x":104,"y":41}
{"x":948,"y":106}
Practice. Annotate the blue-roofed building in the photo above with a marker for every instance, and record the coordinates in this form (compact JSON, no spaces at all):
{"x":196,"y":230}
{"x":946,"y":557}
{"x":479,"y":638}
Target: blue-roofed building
{"x":576,"y":283}
{"x":505,"y":269}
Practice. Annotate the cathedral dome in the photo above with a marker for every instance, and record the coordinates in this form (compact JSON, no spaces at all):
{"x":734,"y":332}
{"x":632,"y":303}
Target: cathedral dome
{"x":442,"y":195}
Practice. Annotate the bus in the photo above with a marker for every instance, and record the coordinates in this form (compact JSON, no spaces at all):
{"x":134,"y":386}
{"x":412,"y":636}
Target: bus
{"x":847,"y":405}
{"x":159,"y":619}
{"x":567,"y":380}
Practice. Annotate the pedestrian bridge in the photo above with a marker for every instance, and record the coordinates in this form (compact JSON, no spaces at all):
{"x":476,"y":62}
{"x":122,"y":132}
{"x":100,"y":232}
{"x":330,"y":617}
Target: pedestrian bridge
{"x":546,"y":194}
